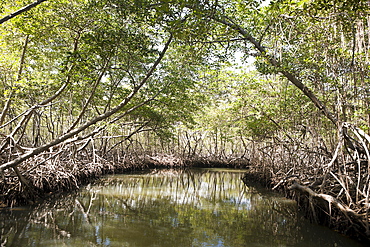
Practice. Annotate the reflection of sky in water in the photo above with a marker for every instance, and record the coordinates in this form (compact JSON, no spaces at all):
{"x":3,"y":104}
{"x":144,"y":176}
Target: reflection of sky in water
{"x":240,"y":203}
{"x":103,"y":242}
{"x":218,"y":242}
{"x":208,"y":192}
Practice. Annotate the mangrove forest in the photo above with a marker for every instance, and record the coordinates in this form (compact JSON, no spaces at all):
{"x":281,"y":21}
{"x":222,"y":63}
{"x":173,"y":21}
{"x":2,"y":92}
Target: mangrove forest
{"x":278,"y":90}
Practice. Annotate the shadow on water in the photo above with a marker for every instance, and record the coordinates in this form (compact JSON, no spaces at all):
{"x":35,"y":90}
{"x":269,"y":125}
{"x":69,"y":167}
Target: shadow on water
{"x":202,"y":207}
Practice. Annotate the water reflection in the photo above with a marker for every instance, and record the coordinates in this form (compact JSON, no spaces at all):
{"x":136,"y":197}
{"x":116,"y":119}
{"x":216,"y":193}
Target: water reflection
{"x":165,"y":208}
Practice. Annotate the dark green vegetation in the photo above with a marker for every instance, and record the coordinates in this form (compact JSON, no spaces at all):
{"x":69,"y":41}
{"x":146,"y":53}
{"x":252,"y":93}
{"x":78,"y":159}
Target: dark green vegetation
{"x":90,"y":87}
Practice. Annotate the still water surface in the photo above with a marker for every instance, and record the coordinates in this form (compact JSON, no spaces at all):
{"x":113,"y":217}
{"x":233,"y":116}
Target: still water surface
{"x":202,"y":207}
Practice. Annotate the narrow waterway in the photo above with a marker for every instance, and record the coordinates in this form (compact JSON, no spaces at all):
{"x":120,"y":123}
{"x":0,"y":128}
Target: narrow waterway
{"x":201,"y":207}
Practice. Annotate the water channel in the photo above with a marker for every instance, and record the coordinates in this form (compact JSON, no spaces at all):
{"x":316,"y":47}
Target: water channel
{"x":200,"y":207}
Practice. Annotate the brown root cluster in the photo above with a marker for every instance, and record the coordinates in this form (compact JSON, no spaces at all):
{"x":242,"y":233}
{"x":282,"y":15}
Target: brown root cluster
{"x":39,"y":177}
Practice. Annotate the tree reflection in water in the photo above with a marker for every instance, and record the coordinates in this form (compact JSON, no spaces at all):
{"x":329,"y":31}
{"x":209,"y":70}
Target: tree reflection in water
{"x":165,"y":208}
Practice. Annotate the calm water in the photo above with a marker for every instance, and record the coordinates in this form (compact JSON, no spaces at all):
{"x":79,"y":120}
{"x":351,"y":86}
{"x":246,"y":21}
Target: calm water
{"x":165,"y":208}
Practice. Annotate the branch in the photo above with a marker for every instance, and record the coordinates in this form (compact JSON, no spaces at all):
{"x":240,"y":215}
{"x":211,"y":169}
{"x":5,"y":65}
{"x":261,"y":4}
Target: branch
{"x":138,"y":130}
{"x":28,"y":113}
{"x":21,"y":65}
{"x":92,"y":94}
{"x":20,"y":11}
